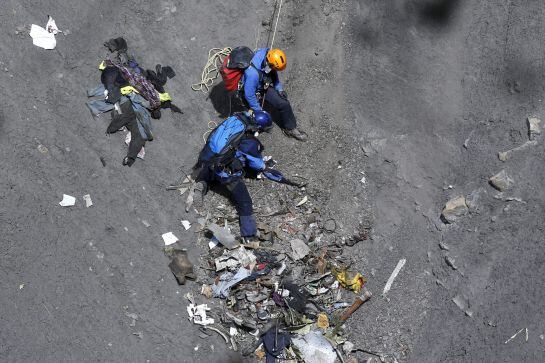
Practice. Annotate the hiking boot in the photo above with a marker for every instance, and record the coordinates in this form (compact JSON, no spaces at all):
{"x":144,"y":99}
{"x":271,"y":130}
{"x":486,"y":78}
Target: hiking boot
{"x":296,"y":134}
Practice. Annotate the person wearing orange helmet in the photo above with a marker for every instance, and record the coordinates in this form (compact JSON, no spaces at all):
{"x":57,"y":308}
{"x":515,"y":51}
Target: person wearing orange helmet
{"x":260,"y":81}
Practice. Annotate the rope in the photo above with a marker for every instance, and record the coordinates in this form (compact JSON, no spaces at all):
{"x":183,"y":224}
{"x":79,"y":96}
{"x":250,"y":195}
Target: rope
{"x":211,"y":69}
{"x":276,"y":24}
{"x":211,"y":126}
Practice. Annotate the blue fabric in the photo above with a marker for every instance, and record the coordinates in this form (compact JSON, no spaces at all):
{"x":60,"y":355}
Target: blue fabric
{"x":249,"y":153}
{"x":248,"y":226}
{"x":224,"y":133}
{"x":274,"y":175}
{"x":142,"y":114}
{"x":253,"y":79}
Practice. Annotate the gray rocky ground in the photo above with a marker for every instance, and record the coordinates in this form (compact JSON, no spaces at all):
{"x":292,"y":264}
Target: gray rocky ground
{"x":418,"y":95}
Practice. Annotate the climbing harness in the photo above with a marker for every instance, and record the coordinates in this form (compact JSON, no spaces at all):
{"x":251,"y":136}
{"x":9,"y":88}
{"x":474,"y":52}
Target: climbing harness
{"x":211,"y":70}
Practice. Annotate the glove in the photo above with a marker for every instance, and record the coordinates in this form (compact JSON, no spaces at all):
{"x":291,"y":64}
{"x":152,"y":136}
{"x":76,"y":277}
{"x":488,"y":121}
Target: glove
{"x":283,"y":94}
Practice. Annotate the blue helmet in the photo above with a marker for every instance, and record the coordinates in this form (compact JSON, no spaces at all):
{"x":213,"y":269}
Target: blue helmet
{"x":263,"y":120}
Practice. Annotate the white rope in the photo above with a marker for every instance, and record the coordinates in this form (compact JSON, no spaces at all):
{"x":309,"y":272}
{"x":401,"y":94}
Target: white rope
{"x":276,"y":24}
{"x":211,"y":126}
{"x":211,"y":69}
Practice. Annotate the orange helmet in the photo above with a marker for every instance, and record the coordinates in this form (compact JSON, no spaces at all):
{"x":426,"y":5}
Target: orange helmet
{"x":277,"y":59}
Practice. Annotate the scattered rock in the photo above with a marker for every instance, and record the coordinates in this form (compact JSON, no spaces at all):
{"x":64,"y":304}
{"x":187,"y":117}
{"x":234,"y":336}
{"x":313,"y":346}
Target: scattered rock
{"x":472,"y":199}
{"x":454,"y":209}
{"x":501,"y":181}
{"x":533,"y":127}
{"x":444,"y":246}
{"x":504,"y":155}
{"x":451,"y":262}
{"x":330,"y":225}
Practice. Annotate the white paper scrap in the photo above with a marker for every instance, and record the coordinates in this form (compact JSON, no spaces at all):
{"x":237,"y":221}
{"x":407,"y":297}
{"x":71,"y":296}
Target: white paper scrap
{"x":186,"y":224}
{"x":169,"y":238}
{"x":88,"y":201}
{"x":67,"y":201}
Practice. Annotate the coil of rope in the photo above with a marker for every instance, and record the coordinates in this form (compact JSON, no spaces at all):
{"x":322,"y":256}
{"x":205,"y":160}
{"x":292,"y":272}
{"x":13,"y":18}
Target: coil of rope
{"x":211,"y":70}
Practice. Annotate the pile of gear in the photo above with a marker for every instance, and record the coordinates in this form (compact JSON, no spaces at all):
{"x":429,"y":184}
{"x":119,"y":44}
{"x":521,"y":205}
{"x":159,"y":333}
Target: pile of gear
{"x":132,"y":94}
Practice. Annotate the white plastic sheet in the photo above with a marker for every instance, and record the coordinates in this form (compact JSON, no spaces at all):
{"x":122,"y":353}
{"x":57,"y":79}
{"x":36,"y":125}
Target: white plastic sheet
{"x":44,"y":38}
{"x":67,"y":201}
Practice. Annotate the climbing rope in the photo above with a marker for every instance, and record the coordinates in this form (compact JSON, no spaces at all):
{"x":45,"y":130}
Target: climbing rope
{"x":276,"y":24}
{"x":211,"y":126}
{"x":211,"y":69}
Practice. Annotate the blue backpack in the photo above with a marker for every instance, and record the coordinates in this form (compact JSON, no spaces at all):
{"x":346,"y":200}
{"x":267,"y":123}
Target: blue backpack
{"x":222,"y":142}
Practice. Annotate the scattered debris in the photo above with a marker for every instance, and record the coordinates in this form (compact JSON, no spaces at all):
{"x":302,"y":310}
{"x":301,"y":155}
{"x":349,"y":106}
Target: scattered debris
{"x":330,"y":225}
{"x":42,"y":149}
{"x":44,"y":38}
{"x":360,"y":300}
{"x":206,"y":290}
{"x":197,"y":314}
{"x":533,"y":127}
{"x":186,"y":224}
{"x":315,"y":348}
{"x":501,"y":181}
{"x":134,"y":318}
{"x":169,"y":238}
{"x":21,"y":286}
{"x":299,"y":249}
{"x":303,"y":201}
{"x":515,"y":335}
{"x":394,"y":274}
{"x":223,"y":235}
{"x":454,"y":209}
{"x":228,"y":280}
{"x":146,"y":223}
{"x":88,"y":201}
{"x":67,"y":201}
{"x":181,"y":267}
{"x":349,"y":279}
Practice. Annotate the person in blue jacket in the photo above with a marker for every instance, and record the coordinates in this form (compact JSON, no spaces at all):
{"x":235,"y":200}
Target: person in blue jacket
{"x":261,"y":78}
{"x":245,"y":158}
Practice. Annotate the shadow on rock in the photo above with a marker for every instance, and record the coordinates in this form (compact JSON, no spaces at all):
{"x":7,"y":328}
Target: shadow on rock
{"x":437,"y":12}
{"x":224,"y":102}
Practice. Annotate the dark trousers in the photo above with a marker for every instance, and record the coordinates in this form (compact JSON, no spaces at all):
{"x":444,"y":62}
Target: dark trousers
{"x":127,"y":119}
{"x":287,"y":118}
{"x":241,"y":199}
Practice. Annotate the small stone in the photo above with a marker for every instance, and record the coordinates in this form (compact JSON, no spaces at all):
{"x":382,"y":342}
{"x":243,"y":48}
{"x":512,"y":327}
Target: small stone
{"x":444,"y":246}
{"x":454,"y":209}
{"x":42,"y":149}
{"x":193,"y":39}
{"x":503,"y":155}
{"x":330,"y":225}
{"x":501,"y":181}
{"x":472,"y":199}
{"x":451,"y":262}
{"x":347,"y":347}
{"x":265,"y":23}
{"x":533,"y":127}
